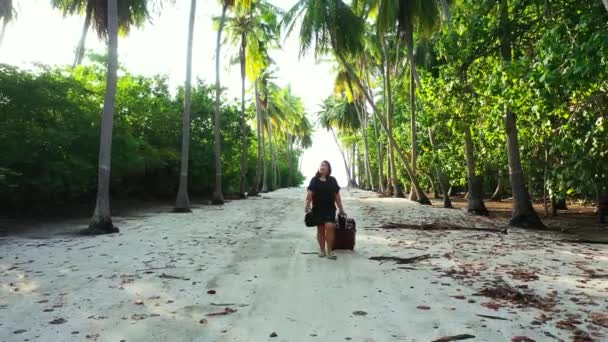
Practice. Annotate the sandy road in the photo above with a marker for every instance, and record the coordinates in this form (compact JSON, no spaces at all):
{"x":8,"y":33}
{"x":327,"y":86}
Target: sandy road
{"x":151,"y":281}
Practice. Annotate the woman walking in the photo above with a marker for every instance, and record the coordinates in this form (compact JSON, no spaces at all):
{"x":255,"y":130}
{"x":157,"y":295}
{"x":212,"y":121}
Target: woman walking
{"x":324,"y":193}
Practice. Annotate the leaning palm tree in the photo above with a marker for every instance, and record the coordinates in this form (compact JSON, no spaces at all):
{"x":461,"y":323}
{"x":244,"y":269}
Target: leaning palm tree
{"x":107,"y":27}
{"x":332,"y":26}
{"x":7,"y":13}
{"x":130,"y":13}
{"x":182,"y":203}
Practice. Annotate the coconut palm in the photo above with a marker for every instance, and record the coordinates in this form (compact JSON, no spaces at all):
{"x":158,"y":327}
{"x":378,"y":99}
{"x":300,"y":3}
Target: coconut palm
{"x":182,"y":203}
{"x":246,"y":29}
{"x":409,"y":16}
{"x":337,"y":112}
{"x":130,"y":13}
{"x":332,"y":26}
{"x":101,"y":221}
{"x":7,"y":13}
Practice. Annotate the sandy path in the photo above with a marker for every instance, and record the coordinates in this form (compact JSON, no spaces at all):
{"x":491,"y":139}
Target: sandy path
{"x":254,"y":254}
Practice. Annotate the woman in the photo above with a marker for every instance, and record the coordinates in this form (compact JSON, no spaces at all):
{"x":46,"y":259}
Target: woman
{"x":324,"y":193}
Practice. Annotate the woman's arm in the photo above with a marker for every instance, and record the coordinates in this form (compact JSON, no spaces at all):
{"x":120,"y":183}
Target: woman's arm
{"x":308,"y":200}
{"x":339,"y":202}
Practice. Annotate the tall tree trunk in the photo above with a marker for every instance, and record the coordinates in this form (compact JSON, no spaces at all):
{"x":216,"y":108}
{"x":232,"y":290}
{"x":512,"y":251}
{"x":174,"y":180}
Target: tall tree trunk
{"x":255,"y":189}
{"x":422,"y":198}
{"x":380,"y":158}
{"x":3,"y":31}
{"x":264,"y":159}
{"x":368,"y":169}
{"x":353,"y":161}
{"x":499,"y":191}
{"x":605,"y":4}
{"x":243,"y":182}
{"x":379,"y":147}
{"x":389,"y":121}
{"x":475,"y":200}
{"x":342,"y":153}
{"x":101,"y":222}
{"x":290,"y":161}
{"x":443,"y":183}
{"x":523,"y":214}
{"x":218,"y":195}
{"x":273,"y":175}
{"x":79,"y":56}
{"x":410,"y":48}
{"x":182,"y":203}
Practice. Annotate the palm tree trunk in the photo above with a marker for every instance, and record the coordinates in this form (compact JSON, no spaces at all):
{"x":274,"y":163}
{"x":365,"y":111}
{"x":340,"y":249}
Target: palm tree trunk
{"x":218,"y":196}
{"x":414,"y":144}
{"x":368,"y":170}
{"x":605,"y":4}
{"x":499,"y":191}
{"x":83,"y":37}
{"x":523,"y":214}
{"x":422,"y":198}
{"x":264,"y":159}
{"x":101,"y":222}
{"x":255,"y":189}
{"x":3,"y":31}
{"x":273,"y":175}
{"x":343,"y":155}
{"x":443,"y":183}
{"x":379,"y":148}
{"x":182,"y":203}
{"x":243,"y":182}
{"x":380,"y":159}
{"x":353,"y":161}
{"x":475,"y":200}
{"x":289,"y":161}
{"x":389,"y":121}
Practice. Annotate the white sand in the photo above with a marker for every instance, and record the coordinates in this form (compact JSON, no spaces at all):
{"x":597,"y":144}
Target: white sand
{"x":251,"y":253}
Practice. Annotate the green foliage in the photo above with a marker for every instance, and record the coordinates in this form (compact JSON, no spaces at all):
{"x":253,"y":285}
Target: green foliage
{"x":49,"y":124}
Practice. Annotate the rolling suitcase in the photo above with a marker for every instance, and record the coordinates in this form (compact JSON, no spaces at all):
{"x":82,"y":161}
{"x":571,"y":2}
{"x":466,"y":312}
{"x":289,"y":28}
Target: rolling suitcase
{"x":346,"y":232}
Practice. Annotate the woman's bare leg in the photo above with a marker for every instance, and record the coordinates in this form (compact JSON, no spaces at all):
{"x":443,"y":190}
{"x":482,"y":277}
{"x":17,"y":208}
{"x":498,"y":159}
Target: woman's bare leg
{"x":321,"y":239}
{"x":330,"y":232}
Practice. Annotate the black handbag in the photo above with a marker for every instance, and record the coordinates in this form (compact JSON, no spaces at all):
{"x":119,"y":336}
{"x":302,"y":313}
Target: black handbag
{"x":309,"y":220}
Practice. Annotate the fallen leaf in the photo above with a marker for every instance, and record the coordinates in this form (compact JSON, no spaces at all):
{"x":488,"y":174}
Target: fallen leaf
{"x":521,"y":339}
{"x":211,"y":292}
{"x":20,"y":331}
{"x":599,"y":318}
{"x":58,"y":321}
{"x":274,"y":334}
{"x":359,"y":313}
{"x":226,"y":311}
{"x":138,"y":302}
{"x":423,"y":307}
{"x":454,"y":338}
{"x":203,"y":321}
{"x":491,"y":305}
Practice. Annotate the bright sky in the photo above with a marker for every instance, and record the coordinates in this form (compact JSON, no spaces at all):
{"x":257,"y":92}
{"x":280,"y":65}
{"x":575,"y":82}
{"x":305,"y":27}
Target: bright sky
{"x":42,"y":35}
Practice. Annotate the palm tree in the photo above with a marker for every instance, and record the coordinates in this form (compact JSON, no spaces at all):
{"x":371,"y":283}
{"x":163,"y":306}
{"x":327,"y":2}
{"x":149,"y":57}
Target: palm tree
{"x":331,"y":24}
{"x":408,"y":14}
{"x":7,"y":13}
{"x":130,"y":13}
{"x":246,"y":29}
{"x":182,"y":203}
{"x":101,"y":222}
{"x":218,"y":196}
{"x":339,"y":113}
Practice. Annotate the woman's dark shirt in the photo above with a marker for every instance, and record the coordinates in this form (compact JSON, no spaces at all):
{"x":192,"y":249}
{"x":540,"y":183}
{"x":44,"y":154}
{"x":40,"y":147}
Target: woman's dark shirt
{"x":324,"y":192}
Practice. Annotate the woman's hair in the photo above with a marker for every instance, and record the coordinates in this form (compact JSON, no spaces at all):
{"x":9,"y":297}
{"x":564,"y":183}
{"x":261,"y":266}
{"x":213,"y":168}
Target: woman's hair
{"x":318,"y":174}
